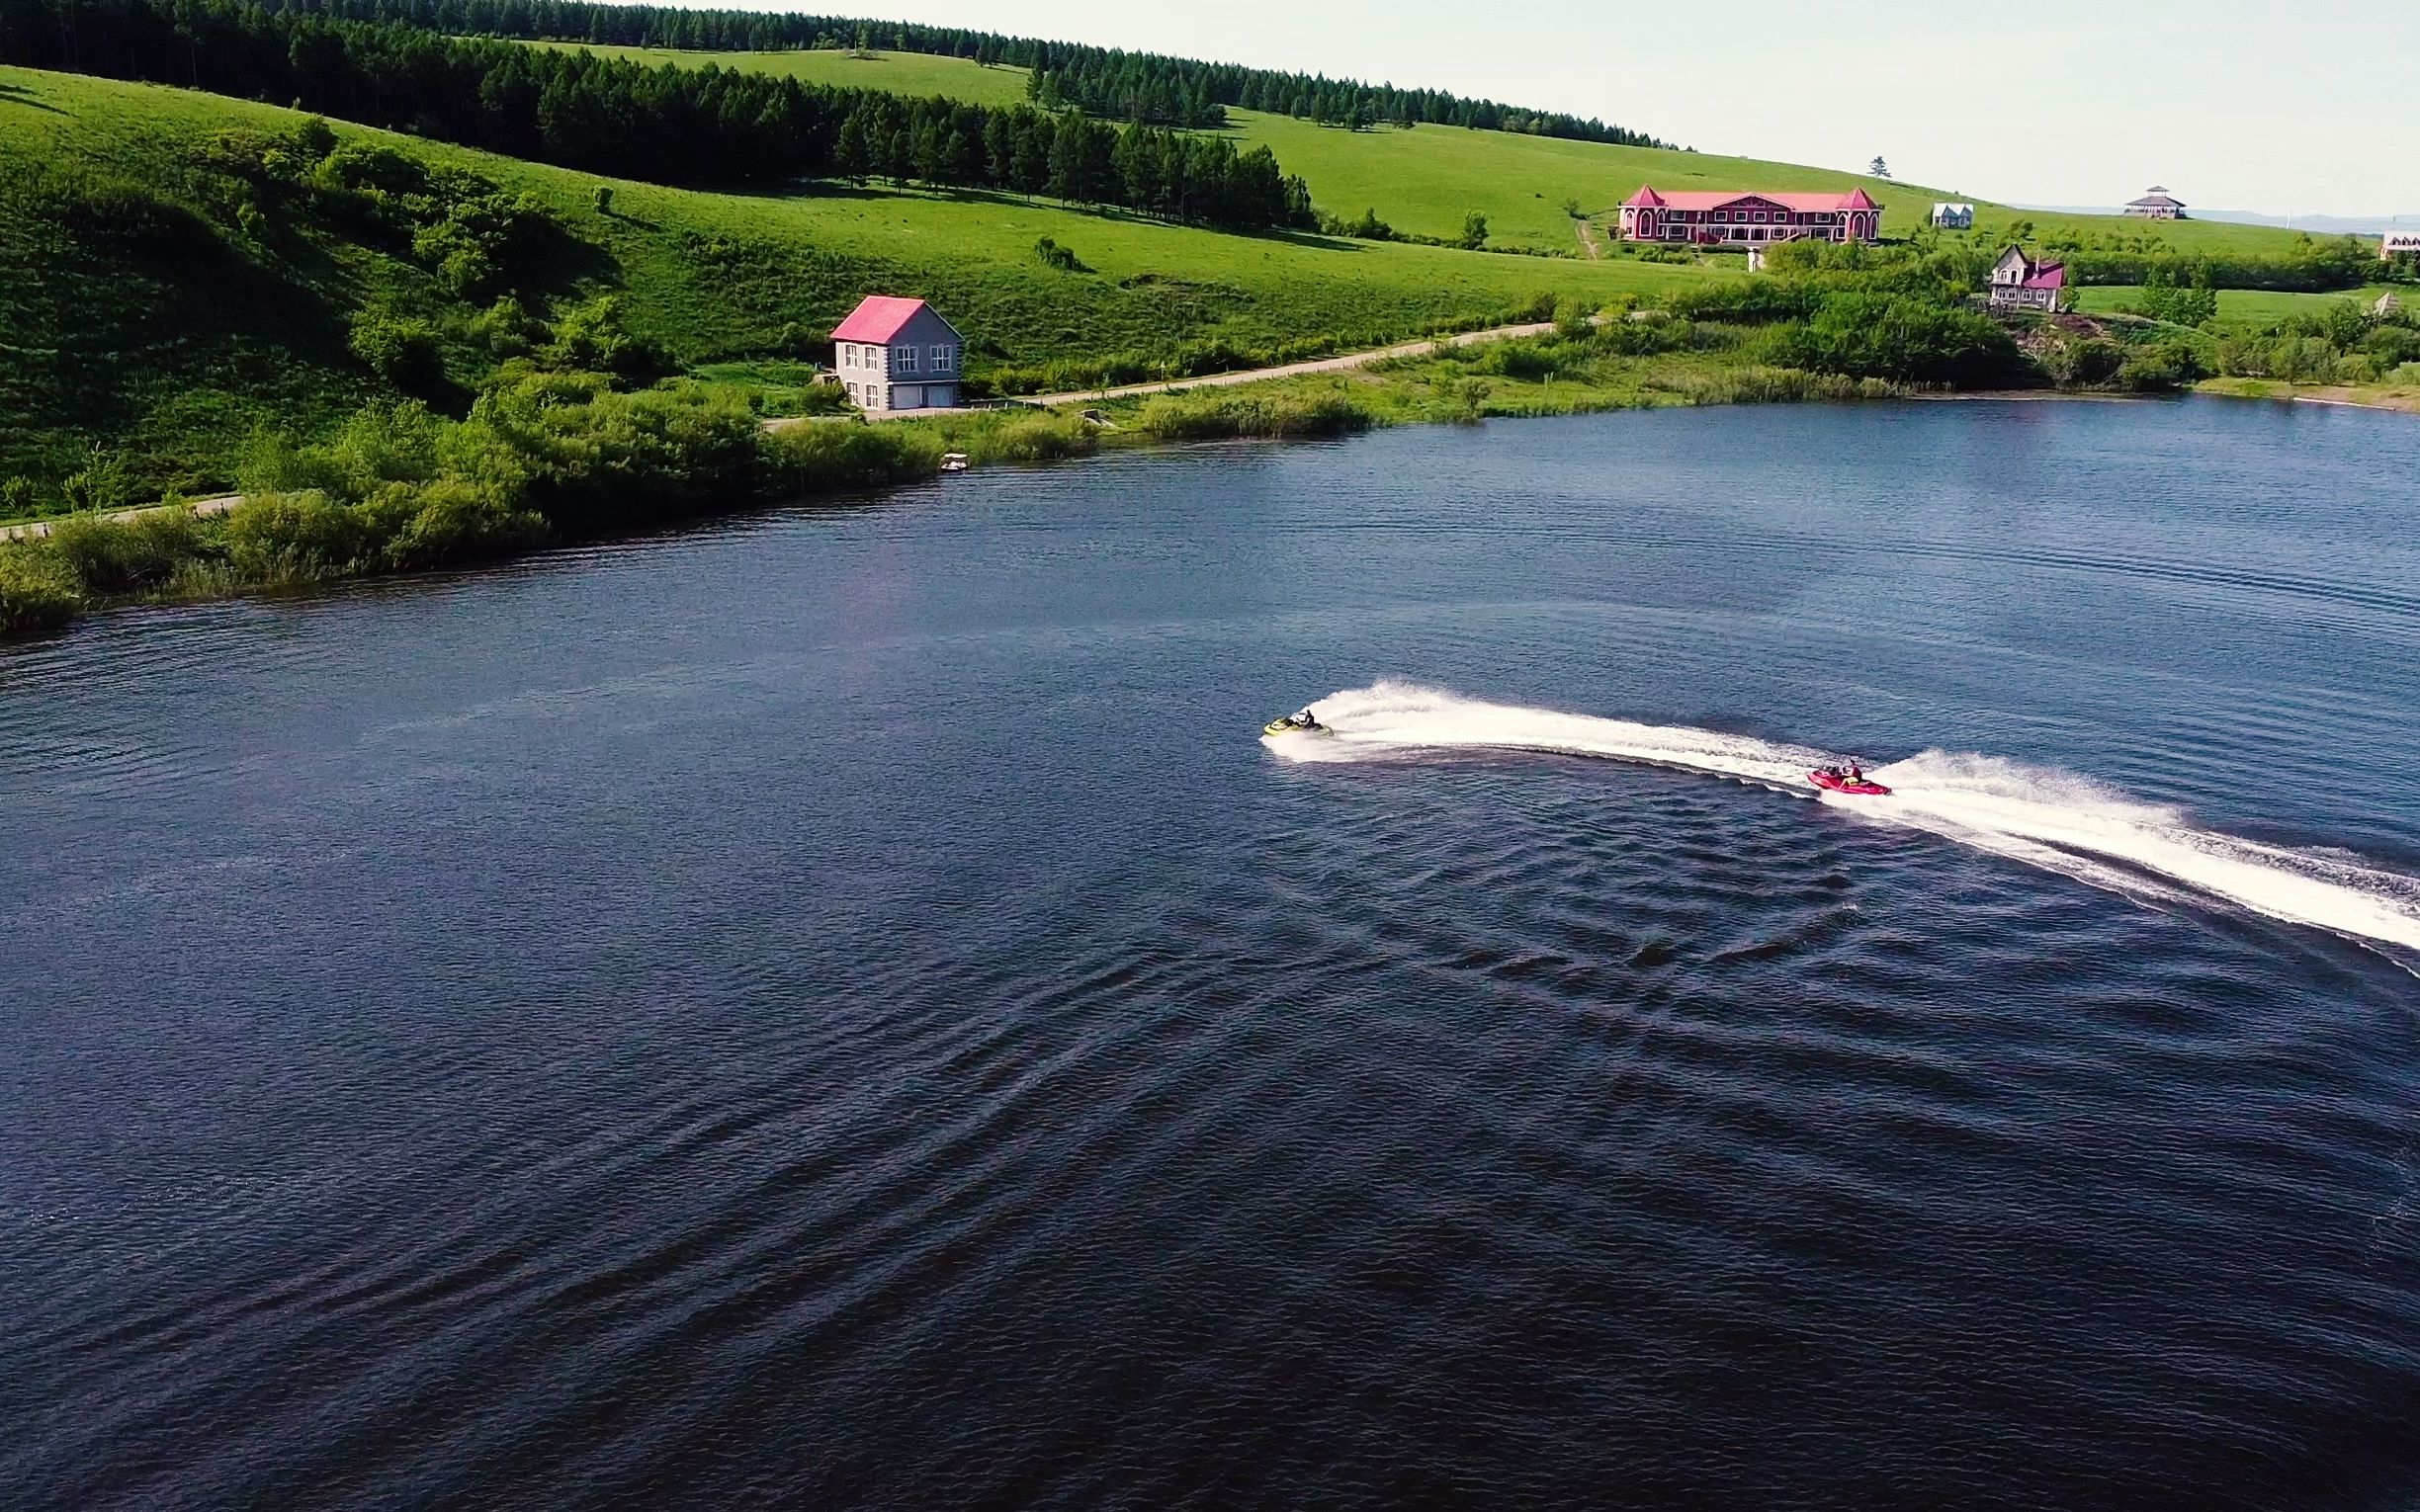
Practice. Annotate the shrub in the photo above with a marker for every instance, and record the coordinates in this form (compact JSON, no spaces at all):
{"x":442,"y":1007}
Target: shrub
{"x":1474,"y":233}
{"x":1523,"y":361}
{"x":1532,"y":311}
{"x":1898,"y":337}
{"x":1572,"y":320}
{"x":2161,"y":365}
{"x":38,"y":591}
{"x":1056,"y":256}
{"x":581,"y":454}
{"x":507,"y":330}
{"x":1040,"y":436}
{"x":294,"y":538}
{"x":103,"y":209}
{"x":1212,"y":417}
{"x":460,"y":521}
{"x":823,"y":457}
{"x":19,"y":496}
{"x":401,"y":349}
{"x":125,"y":556}
{"x":589,"y":338}
{"x":106,"y":483}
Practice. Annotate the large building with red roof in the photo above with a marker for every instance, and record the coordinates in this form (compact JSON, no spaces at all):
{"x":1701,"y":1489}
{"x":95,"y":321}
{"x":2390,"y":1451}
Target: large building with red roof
{"x":1722,"y":217}
{"x":898,"y":354}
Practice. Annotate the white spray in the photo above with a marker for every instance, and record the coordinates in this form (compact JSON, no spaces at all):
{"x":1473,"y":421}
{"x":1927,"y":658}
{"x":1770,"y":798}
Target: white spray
{"x":2053,"y":819}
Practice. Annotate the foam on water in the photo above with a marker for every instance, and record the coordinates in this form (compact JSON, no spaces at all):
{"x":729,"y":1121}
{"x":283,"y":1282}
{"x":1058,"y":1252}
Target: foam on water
{"x":2048,"y":818}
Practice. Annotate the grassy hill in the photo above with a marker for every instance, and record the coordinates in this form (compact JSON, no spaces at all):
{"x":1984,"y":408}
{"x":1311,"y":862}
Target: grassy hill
{"x":177,"y":343}
{"x":1423,"y":180}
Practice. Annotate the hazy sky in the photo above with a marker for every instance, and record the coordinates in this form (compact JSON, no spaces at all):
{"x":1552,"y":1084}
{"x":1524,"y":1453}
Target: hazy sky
{"x":2288,"y":107}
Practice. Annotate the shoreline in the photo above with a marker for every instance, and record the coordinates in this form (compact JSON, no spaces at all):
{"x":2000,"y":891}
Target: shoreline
{"x":1108,"y":437}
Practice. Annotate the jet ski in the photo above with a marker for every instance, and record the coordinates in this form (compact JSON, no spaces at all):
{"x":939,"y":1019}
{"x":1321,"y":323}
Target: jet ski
{"x":1840,"y":780}
{"x":1301,"y":722}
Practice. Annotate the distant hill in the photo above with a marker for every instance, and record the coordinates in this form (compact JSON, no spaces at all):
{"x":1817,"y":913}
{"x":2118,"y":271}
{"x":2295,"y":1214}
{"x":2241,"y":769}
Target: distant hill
{"x":2316,"y":225}
{"x":1423,"y":180}
{"x":140,"y":307}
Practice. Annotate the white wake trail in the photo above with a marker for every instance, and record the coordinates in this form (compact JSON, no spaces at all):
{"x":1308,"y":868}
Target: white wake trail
{"x":2055,"y":821}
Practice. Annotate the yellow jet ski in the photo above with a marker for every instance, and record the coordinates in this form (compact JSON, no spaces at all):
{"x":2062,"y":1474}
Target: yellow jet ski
{"x":1302,"y":722}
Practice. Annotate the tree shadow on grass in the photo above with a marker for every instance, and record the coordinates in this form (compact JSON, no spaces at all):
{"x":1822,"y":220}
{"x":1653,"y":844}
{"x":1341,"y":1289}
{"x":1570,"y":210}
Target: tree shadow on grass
{"x":18,"y":94}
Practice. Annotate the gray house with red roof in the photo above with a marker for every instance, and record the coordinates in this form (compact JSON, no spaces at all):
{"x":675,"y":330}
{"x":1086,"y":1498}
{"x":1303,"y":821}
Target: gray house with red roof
{"x":898,"y":354}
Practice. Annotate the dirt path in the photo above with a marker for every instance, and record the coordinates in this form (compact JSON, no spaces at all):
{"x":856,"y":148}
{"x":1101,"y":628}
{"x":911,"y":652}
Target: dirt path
{"x":1587,"y":238}
{"x":1343,"y":363}
{"x":218,"y":504}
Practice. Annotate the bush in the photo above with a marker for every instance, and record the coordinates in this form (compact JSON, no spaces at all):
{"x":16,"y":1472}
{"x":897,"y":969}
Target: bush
{"x":459,"y":521}
{"x":401,"y":349}
{"x":295,"y":538}
{"x":1040,"y":436}
{"x":2160,"y":366}
{"x":1898,"y":337}
{"x":824,"y":457}
{"x":1572,"y":320}
{"x":106,"y":483}
{"x":1212,"y":417}
{"x":589,"y":338}
{"x":127,"y":556}
{"x":102,"y":209}
{"x":38,"y":591}
{"x":1056,"y":256}
{"x":18,"y":497}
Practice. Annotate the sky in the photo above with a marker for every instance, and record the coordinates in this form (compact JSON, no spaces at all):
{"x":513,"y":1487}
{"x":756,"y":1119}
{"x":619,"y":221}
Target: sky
{"x":2286,"y":107}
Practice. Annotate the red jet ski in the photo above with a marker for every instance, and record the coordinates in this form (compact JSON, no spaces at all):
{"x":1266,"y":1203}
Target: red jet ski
{"x":1836,"y":780}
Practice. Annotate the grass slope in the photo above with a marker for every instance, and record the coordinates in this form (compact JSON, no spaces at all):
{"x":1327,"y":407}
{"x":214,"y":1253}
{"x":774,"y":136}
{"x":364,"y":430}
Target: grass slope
{"x":180,"y":354}
{"x":1423,"y":180}
{"x":2240,"y":306}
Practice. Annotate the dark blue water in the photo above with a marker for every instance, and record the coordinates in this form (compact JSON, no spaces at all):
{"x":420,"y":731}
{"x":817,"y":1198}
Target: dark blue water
{"x":840,"y":1008}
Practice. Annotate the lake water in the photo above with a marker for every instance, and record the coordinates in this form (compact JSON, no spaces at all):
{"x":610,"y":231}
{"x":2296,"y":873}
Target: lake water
{"x":841,"y":1008}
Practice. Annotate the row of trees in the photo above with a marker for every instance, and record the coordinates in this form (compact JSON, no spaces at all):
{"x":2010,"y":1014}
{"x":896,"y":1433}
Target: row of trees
{"x":674,"y":125}
{"x":1069,"y":156}
{"x":1106,"y":82}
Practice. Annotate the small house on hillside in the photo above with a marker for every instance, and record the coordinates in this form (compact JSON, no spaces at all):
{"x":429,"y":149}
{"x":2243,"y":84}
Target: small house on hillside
{"x":2018,"y":283}
{"x":898,"y":354}
{"x":2156,"y":205}
{"x":1953,"y":216}
{"x":2397,"y":243}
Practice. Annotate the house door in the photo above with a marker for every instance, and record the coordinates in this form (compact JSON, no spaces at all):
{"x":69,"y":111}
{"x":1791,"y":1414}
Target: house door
{"x":908,"y":396}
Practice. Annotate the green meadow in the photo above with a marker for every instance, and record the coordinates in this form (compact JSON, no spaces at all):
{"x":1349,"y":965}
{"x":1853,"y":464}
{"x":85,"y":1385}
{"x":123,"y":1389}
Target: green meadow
{"x":2240,"y":306}
{"x":1423,"y":180}
{"x":177,"y":351}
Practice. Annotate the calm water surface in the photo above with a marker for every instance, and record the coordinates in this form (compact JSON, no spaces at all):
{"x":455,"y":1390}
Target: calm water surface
{"x":840,"y":1008}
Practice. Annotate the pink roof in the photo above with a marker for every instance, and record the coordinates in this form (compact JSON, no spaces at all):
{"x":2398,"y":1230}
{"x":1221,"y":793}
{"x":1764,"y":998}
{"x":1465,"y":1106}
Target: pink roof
{"x":1719,"y":199}
{"x":877,"y":319}
{"x":2048,"y":275}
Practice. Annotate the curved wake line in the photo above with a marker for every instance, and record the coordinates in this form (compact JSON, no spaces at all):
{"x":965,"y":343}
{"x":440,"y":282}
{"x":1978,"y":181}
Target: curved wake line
{"x":2055,"y":821}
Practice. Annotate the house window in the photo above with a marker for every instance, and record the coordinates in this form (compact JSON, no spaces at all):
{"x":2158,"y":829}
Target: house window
{"x":940,"y":359}
{"x":906,"y":360}
{"x":1723,"y":216}
{"x":1758,"y":217}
